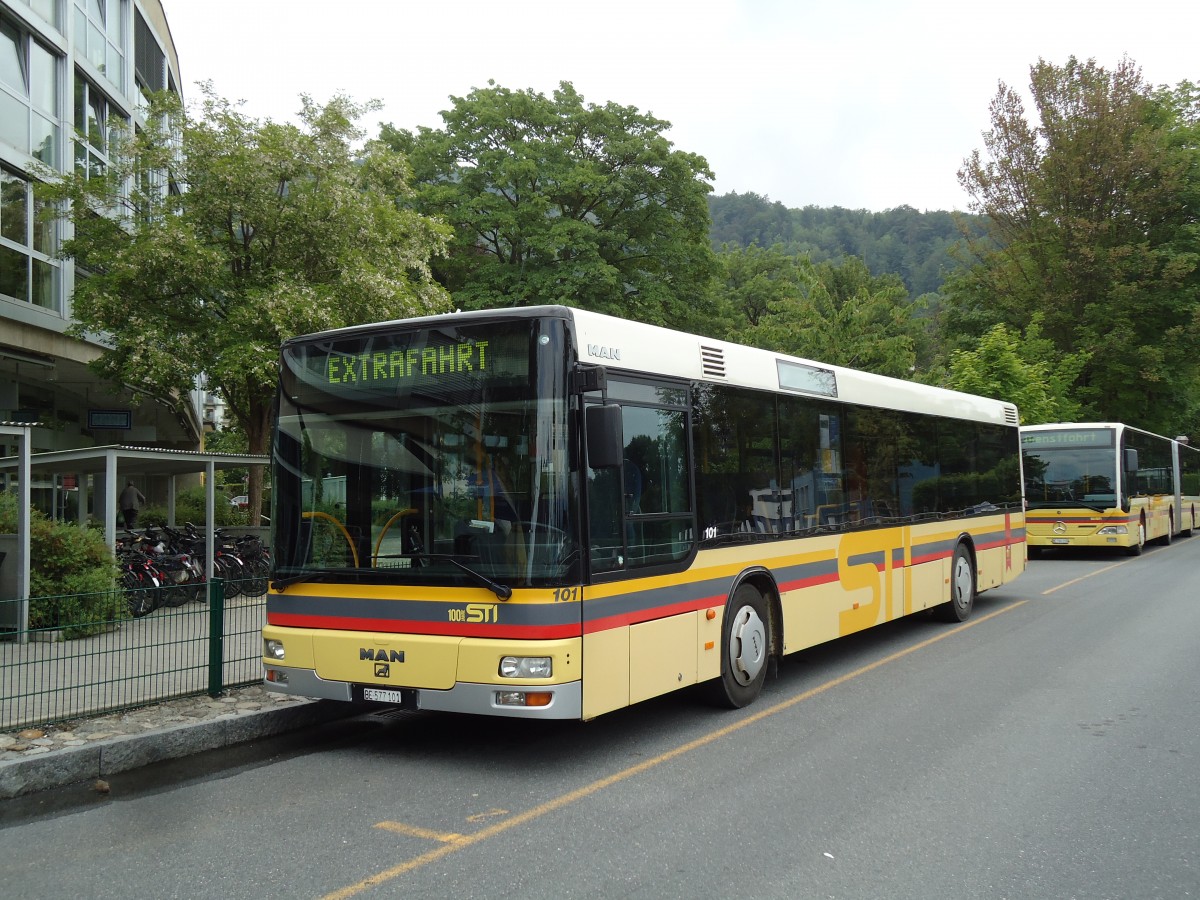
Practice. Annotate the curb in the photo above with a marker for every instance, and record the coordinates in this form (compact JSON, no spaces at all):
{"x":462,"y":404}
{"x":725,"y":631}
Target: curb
{"x":70,"y":765}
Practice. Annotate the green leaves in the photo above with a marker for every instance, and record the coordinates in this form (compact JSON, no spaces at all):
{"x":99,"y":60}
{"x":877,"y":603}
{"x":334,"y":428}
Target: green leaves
{"x":552,"y":200}
{"x":1091,"y":211}
{"x":1020,"y":370}
{"x":262,"y":231}
{"x":837,"y":314}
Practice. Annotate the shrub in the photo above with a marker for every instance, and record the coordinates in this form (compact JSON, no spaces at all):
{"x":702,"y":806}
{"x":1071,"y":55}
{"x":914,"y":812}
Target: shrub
{"x":72,"y":574}
{"x":189,"y":507}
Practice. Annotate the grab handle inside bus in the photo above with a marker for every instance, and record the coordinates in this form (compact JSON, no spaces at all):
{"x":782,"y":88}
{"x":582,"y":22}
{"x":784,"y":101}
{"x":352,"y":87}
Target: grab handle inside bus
{"x":605,"y":442}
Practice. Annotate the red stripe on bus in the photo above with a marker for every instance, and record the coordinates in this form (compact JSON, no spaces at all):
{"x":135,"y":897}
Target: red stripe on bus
{"x":448,"y":629}
{"x":637,"y":616}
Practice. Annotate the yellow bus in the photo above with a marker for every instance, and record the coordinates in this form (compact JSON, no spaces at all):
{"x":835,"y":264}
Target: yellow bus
{"x":550,"y":513}
{"x":1106,"y":484}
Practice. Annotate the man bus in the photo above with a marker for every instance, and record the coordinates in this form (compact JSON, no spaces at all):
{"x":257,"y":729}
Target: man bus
{"x":550,"y":513}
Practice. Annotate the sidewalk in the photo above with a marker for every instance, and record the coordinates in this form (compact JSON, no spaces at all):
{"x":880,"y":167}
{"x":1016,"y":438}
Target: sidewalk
{"x":38,"y":759}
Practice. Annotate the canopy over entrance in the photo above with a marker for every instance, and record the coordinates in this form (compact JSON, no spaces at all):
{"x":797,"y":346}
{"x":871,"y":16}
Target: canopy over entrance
{"x":109,"y":467}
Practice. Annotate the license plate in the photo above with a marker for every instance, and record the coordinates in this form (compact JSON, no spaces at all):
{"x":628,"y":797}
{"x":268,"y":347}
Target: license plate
{"x":1060,"y":540}
{"x":379,"y":695}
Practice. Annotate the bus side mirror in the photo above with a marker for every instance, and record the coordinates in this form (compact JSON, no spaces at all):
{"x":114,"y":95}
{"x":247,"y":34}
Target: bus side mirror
{"x":1131,"y":459}
{"x":605,"y":441}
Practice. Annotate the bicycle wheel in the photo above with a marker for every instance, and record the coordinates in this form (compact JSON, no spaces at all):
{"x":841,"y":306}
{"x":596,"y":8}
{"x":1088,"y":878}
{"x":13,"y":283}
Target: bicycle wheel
{"x":141,"y":599}
{"x":234,"y":573}
{"x":257,"y":573}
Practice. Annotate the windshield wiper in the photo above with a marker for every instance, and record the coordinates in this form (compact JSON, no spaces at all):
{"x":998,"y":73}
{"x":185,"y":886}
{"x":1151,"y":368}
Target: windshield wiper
{"x":1097,"y":506}
{"x":503,"y":591}
{"x":312,"y":575}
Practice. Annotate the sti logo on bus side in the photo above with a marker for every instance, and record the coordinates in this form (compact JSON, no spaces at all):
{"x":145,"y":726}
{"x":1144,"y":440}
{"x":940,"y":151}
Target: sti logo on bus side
{"x":475,"y":613}
{"x":603,"y":352}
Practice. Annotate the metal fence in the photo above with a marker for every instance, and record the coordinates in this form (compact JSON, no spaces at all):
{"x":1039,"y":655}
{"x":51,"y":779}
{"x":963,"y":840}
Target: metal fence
{"x":49,"y":675}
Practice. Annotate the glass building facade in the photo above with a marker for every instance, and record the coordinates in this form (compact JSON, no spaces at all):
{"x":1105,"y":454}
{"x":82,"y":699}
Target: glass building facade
{"x":71,"y":73}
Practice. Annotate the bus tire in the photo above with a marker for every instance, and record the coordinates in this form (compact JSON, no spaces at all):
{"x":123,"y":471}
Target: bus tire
{"x":745,"y":648}
{"x":962,"y":586}
{"x":1166,"y":539}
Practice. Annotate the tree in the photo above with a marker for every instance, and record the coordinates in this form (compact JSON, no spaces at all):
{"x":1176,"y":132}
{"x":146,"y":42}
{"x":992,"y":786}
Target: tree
{"x":1020,"y":370}
{"x":209,"y":239}
{"x":1092,"y":212}
{"x":556,"y":201}
{"x":847,"y":317}
{"x":755,"y":279}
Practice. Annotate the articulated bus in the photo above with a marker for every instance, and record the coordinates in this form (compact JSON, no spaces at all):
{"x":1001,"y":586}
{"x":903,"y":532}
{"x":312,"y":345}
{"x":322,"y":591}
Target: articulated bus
{"x":1104,"y":484}
{"x":550,"y":513}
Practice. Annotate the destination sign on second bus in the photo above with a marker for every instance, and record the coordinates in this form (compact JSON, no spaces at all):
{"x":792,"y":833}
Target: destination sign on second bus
{"x":1087,"y":439}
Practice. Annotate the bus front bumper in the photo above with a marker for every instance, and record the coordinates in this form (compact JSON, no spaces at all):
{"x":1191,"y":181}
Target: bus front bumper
{"x":565,"y":700}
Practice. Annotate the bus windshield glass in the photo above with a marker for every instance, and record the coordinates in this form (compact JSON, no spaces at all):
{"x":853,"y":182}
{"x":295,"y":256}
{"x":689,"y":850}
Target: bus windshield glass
{"x":425,"y":456}
{"x":1066,"y":468}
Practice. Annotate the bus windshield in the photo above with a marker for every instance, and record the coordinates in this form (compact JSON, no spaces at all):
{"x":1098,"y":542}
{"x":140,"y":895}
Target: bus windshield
{"x":1070,"y":468}
{"x":435,"y":455}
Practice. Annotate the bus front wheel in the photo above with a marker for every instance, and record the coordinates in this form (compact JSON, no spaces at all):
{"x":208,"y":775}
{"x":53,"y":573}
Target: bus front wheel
{"x":745,"y":646}
{"x":962,"y":587}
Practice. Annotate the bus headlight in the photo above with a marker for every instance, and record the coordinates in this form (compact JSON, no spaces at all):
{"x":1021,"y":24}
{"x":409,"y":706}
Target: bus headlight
{"x":526,"y":667}
{"x":1113,"y":529}
{"x":273,"y":649}
{"x":524,"y":698}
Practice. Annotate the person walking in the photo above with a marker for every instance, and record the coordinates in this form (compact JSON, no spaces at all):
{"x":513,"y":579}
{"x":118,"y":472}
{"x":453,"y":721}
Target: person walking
{"x":131,"y":501}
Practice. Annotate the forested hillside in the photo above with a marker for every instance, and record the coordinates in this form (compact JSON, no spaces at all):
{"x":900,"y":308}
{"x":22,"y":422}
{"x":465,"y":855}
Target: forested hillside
{"x":901,"y":241}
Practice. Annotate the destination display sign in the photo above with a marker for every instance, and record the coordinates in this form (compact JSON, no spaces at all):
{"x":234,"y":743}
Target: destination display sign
{"x":464,"y":358}
{"x":379,"y":367}
{"x":1075,"y":438}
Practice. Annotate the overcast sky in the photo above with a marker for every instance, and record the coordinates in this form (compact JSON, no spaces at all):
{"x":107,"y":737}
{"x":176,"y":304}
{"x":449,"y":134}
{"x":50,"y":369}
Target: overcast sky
{"x":858,"y":103}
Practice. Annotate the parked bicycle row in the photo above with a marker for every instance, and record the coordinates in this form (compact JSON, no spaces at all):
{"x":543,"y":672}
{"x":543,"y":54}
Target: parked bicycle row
{"x":164,"y":566}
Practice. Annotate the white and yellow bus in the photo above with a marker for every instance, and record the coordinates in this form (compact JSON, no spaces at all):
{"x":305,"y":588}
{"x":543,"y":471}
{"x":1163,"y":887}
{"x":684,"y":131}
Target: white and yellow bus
{"x":1105,"y":484}
{"x":550,"y":513}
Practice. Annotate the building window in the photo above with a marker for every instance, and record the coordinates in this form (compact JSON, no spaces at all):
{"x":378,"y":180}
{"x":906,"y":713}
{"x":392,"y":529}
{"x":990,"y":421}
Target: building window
{"x":97,"y":122}
{"x":28,"y":94}
{"x":149,"y":62}
{"x":47,"y":9}
{"x":28,"y":270}
{"x":100,"y":37}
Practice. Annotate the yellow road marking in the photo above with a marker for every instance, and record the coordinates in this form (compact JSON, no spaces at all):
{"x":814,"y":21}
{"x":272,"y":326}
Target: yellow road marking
{"x":417,"y":831}
{"x":588,"y":790}
{"x":1067,"y":584}
{"x":490,"y":814}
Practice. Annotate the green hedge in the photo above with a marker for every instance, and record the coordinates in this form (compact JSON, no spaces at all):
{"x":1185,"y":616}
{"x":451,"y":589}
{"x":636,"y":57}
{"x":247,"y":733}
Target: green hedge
{"x":189,"y":507}
{"x":72,"y":574}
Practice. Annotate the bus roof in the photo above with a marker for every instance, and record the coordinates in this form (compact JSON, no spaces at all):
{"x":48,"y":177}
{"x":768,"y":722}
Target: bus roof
{"x":635,"y":347}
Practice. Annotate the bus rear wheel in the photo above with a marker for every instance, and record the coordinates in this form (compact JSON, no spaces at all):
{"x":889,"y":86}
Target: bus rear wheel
{"x":1165,"y":540}
{"x":745,"y":646}
{"x":962,"y":587}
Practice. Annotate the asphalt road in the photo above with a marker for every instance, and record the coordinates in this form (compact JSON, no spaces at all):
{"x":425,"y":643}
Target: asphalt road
{"x":1046,"y":749}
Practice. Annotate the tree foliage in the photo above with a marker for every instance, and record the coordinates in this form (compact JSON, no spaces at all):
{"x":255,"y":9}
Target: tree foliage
{"x":556,"y":201}
{"x":1021,"y":370}
{"x":917,"y":246}
{"x":263,"y":231}
{"x":1091,"y":213}
{"x":756,"y":280}
{"x":841,"y":314}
